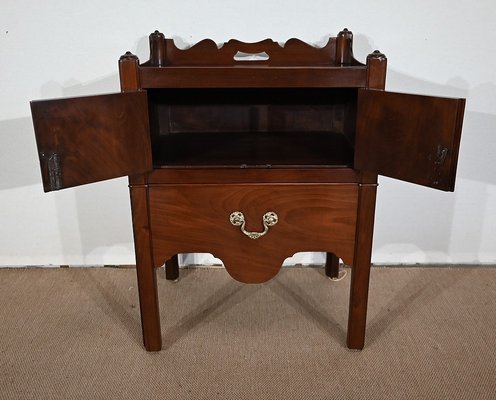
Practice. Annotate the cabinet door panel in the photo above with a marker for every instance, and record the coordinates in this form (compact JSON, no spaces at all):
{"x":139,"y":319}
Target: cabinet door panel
{"x":89,"y":139}
{"x":409,"y":137}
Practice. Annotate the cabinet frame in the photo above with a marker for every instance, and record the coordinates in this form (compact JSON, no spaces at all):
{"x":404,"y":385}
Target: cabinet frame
{"x":373,"y":75}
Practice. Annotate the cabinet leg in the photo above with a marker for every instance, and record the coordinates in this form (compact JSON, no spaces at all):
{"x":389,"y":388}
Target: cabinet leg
{"x":360,"y":271}
{"x":147,"y":278}
{"x":149,"y":307}
{"x":332,"y":265}
{"x":172,"y":268}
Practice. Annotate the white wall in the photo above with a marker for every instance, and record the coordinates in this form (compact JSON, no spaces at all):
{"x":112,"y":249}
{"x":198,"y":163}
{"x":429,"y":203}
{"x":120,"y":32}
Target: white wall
{"x":55,"y":48}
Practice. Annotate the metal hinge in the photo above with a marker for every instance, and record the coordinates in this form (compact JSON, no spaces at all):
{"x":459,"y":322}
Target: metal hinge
{"x":54,"y":168}
{"x":441,"y":154}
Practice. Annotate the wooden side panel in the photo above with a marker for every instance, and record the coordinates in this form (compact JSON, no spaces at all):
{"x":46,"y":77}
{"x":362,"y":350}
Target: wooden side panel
{"x":194,"y":218}
{"x":89,"y":139}
{"x":409,"y":137}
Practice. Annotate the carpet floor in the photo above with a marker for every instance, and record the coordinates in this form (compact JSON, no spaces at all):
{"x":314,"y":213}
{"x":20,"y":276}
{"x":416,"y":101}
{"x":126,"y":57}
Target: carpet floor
{"x":74,"y":333}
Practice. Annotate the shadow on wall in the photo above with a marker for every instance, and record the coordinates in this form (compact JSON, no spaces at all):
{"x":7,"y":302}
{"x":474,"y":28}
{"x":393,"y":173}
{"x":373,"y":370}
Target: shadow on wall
{"x":103,"y":209}
{"x":409,"y":203}
{"x":18,"y":156}
{"x":104,"y":206}
{"x":91,"y":219}
{"x":400,"y":205}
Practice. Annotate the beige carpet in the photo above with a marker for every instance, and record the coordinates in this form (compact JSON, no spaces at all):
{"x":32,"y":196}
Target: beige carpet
{"x":75,"y":334}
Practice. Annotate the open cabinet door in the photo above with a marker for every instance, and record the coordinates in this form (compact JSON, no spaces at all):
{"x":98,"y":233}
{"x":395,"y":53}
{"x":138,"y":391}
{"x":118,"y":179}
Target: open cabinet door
{"x":89,"y":139}
{"x":409,"y":137}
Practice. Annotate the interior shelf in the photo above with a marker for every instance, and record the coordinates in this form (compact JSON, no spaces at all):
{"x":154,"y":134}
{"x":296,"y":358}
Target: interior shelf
{"x":252,"y":150}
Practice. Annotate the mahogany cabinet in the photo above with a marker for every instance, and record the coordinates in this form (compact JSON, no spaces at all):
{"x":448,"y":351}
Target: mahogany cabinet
{"x":252,"y":152}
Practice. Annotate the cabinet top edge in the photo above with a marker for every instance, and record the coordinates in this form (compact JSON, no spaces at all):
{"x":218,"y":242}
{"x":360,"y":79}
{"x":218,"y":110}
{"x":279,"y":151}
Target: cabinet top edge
{"x":294,"y":52}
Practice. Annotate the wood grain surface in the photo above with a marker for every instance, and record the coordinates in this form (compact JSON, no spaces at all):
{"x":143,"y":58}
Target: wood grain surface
{"x":195,"y":218}
{"x":95,"y":137}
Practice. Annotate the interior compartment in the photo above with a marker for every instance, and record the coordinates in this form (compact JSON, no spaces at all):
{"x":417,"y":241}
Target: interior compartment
{"x":252,"y":127}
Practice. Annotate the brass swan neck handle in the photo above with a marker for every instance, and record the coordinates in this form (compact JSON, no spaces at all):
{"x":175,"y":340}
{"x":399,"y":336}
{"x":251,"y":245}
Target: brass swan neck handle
{"x":270,"y":218}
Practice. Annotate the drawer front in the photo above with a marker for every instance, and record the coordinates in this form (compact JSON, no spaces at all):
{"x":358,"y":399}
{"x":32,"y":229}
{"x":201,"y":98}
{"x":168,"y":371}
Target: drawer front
{"x":197,"y":218}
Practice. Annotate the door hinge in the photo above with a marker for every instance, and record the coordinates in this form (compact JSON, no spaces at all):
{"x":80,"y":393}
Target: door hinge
{"x":54,"y":168}
{"x":442,"y":152}
{"x":439,"y":160}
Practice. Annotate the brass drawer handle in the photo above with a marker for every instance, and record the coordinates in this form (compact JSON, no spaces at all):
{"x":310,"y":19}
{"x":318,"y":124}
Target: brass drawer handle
{"x":269,"y":219}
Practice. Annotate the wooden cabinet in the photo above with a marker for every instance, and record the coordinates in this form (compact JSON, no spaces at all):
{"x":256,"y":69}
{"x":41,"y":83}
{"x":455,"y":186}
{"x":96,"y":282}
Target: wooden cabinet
{"x":269,"y":149}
